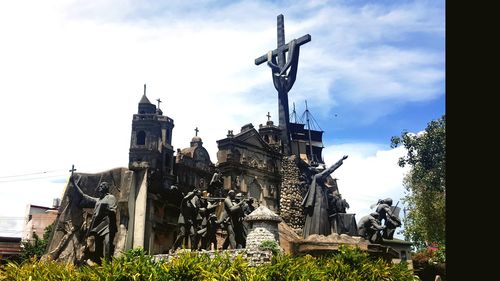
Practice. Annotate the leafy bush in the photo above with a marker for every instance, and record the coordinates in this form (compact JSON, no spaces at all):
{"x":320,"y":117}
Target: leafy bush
{"x":346,"y":264}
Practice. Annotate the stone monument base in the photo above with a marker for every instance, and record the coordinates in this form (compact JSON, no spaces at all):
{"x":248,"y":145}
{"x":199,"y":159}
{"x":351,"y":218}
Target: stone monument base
{"x":316,"y":245}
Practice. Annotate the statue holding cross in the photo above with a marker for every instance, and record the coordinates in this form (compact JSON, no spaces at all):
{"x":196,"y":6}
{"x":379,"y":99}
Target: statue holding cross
{"x":284,"y":72}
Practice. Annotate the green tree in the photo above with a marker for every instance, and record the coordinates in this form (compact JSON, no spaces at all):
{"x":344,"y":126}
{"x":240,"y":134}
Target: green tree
{"x":425,"y":183}
{"x":38,"y":246}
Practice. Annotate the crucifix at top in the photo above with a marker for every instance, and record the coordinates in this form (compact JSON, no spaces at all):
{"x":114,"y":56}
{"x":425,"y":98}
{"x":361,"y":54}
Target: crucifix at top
{"x":284,"y":71}
{"x":196,"y":131}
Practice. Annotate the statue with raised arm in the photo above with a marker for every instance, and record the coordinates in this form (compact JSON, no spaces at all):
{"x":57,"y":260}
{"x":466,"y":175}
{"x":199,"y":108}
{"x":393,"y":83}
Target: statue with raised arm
{"x":103,"y":224}
{"x":187,"y":222}
{"x":315,"y":201}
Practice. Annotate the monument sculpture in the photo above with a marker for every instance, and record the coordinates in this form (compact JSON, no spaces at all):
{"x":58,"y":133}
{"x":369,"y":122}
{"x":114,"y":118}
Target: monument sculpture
{"x":369,"y":227}
{"x":232,"y":218}
{"x":187,"y":222}
{"x":315,"y":202}
{"x":284,"y":73}
{"x":252,"y":165}
{"x":102,"y":229}
{"x":387,"y":213}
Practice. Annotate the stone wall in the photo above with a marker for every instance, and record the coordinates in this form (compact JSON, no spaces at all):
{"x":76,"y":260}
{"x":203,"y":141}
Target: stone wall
{"x":254,"y":257}
{"x":291,"y":210}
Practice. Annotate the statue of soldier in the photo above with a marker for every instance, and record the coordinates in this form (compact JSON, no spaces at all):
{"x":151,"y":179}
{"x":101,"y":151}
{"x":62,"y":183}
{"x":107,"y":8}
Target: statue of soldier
{"x":232,"y":219}
{"x":207,"y":225}
{"x":187,"y":222}
{"x":208,"y":233}
{"x":369,"y":228}
{"x":103,"y":224}
{"x":391,"y":221}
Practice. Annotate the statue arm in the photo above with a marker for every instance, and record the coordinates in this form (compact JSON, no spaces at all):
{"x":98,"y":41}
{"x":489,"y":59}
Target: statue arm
{"x":87,"y":197}
{"x":334,"y":167}
{"x":376,"y":225}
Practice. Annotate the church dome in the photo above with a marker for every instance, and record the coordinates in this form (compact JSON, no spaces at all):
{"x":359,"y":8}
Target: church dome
{"x":196,"y":139}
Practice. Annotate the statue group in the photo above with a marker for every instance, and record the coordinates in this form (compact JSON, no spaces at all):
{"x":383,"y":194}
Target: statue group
{"x":198,"y":223}
{"x":370,"y":226}
{"x":324,"y":211}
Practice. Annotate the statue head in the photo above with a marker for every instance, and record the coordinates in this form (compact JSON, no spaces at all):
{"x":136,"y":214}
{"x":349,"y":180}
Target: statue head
{"x":388,"y":201}
{"x":231,"y":194}
{"x":103,"y":188}
{"x":239,"y":196}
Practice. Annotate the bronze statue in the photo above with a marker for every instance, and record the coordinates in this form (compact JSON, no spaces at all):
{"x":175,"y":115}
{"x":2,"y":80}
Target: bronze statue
{"x":232,"y":220}
{"x":103,"y":224}
{"x":187,"y":222}
{"x":208,"y":226}
{"x":369,"y":228}
{"x":315,"y":202}
{"x":284,"y":72}
{"x":391,"y":220}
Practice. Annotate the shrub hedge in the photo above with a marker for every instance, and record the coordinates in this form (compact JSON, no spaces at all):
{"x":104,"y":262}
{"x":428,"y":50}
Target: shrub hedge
{"x":346,"y":264}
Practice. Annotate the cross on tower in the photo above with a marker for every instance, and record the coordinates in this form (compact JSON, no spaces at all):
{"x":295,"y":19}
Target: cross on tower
{"x":196,"y":131}
{"x":158,"y":100}
{"x":72,"y":169}
{"x":284,"y":71}
{"x":268,"y":116}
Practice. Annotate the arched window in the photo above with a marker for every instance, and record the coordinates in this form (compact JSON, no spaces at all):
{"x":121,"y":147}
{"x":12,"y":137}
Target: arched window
{"x":266,"y":138}
{"x":141,"y":138}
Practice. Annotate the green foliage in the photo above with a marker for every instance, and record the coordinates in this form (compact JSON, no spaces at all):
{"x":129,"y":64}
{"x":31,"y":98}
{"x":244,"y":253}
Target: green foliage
{"x":429,"y":263}
{"x":37,"y":247}
{"x":425,"y":183}
{"x":270,"y":245}
{"x":346,"y":264}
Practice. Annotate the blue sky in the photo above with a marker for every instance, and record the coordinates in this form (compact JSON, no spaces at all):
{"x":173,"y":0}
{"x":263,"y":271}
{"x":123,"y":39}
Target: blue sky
{"x":72,"y":73}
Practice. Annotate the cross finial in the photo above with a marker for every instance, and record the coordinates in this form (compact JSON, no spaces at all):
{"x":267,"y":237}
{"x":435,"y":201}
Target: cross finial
{"x":196,"y":131}
{"x":72,"y":169}
{"x":268,"y":116}
{"x":144,"y":89}
{"x":158,"y":100}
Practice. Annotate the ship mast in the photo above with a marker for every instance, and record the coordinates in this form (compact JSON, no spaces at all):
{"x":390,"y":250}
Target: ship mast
{"x":309,"y":132}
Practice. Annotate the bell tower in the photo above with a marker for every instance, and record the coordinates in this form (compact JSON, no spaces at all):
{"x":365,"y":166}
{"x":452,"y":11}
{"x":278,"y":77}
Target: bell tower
{"x":151,"y":139}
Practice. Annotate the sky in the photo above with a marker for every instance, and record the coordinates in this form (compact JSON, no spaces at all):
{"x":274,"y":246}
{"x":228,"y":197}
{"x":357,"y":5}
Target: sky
{"x":72,"y":74}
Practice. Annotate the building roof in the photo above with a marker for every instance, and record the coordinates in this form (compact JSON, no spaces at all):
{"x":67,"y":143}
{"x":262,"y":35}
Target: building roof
{"x":144,"y":99}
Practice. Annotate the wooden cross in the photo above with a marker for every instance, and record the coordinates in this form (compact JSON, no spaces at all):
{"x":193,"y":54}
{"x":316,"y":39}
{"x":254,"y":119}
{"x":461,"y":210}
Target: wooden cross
{"x":196,"y":131}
